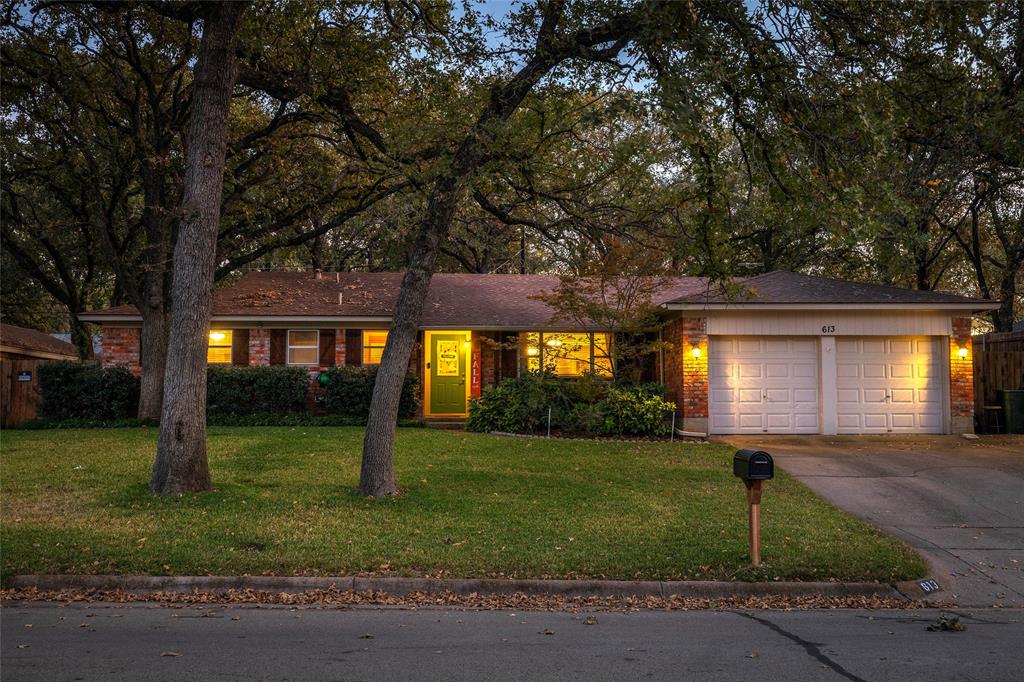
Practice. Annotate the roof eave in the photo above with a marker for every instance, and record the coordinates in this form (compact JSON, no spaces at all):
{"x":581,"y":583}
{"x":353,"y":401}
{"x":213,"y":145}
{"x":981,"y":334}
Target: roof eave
{"x":973,"y":306}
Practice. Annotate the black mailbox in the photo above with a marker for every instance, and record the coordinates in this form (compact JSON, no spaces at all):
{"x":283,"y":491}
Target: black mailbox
{"x":753,"y":465}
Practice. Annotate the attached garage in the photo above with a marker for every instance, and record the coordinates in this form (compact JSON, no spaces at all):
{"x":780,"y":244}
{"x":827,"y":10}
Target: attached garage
{"x":793,"y":354}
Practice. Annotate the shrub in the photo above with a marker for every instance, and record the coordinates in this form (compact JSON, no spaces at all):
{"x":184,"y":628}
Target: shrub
{"x":70,"y":390}
{"x":348,"y":391}
{"x":636,"y":413}
{"x":520,"y":405}
{"x":589,"y":406}
{"x":255,"y":390}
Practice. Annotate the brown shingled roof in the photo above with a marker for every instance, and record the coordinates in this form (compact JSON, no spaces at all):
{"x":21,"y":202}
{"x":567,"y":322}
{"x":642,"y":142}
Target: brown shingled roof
{"x":454,"y":299}
{"x":505,"y":301}
{"x":31,"y":341}
{"x":793,"y":288}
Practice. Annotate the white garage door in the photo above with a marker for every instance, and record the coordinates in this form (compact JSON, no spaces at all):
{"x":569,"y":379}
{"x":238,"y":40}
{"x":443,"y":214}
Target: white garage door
{"x":888,"y":384}
{"x":763,"y":384}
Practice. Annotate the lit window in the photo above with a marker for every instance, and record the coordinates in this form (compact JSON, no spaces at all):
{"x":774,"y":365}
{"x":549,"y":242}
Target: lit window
{"x":568,"y":354}
{"x":219,"y":350}
{"x":303,"y":346}
{"x":373,"y":346}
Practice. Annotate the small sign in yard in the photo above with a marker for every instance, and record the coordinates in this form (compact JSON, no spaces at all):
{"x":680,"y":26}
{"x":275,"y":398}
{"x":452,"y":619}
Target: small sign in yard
{"x":24,"y":376}
{"x":928,"y":586}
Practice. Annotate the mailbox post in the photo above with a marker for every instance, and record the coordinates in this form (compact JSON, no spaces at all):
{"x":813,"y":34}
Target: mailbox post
{"x":754,"y":466}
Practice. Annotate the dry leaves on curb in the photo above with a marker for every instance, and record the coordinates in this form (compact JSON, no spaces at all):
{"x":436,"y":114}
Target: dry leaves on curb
{"x":518,"y":601}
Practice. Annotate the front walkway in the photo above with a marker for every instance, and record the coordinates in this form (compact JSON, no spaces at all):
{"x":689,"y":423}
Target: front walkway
{"x":959,"y":502}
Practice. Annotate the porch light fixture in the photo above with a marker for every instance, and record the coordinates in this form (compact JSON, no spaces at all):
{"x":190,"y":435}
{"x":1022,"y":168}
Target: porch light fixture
{"x":696,"y":351}
{"x":962,"y":352}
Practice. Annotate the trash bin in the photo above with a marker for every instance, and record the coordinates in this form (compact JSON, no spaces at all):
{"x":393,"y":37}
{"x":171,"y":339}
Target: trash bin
{"x":1013,"y":409}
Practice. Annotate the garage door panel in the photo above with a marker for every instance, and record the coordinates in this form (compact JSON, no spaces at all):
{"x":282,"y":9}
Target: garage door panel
{"x":749,"y":346}
{"x":848,"y":395}
{"x":873,"y":370}
{"x":905,"y":346}
{"x":874,"y":421}
{"x":805,"y":395}
{"x":748,"y":420}
{"x":873,"y":395}
{"x":805,"y":370}
{"x":775,"y":381}
{"x":723,"y":395}
{"x":902,"y":395}
{"x":897,"y":382}
{"x":901,"y":371}
{"x":847,"y":371}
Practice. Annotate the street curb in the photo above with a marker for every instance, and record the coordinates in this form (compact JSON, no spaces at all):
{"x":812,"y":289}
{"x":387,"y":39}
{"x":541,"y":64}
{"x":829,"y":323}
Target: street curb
{"x":405,"y":586}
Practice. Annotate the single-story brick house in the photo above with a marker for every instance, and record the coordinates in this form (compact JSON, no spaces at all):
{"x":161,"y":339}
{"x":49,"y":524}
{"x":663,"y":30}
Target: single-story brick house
{"x":789,"y":354}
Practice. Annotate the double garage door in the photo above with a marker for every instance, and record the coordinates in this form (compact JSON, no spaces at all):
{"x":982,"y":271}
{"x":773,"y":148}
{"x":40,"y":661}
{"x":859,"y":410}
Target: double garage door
{"x":781,"y":385}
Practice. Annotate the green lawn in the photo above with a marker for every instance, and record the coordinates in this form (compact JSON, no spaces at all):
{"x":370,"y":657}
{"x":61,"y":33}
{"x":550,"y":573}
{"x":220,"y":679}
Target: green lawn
{"x":75,"y":501}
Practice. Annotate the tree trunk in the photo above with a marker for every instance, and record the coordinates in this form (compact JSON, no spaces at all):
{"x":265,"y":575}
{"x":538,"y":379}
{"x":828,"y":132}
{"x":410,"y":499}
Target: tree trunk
{"x":1002,"y":317}
{"x":181,"y":465}
{"x":377,"y":474}
{"x":80,"y":335}
{"x":153,"y":352}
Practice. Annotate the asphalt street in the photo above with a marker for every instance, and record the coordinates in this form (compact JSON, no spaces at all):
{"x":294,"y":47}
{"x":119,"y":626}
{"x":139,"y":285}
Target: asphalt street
{"x":46,"y":641}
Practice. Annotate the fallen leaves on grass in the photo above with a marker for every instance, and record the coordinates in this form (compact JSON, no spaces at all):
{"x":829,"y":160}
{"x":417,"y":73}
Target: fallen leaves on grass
{"x":520,"y":601}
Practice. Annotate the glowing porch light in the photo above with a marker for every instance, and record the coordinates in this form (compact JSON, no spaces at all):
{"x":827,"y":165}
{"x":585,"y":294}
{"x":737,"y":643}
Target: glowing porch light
{"x":962,"y":352}
{"x":696,"y":351}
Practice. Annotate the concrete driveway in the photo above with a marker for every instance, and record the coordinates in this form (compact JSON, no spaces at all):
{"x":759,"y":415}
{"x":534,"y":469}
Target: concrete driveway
{"x":959,"y":502}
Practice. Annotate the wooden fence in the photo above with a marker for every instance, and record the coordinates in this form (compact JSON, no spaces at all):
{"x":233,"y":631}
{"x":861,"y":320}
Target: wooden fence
{"x":998,"y":364}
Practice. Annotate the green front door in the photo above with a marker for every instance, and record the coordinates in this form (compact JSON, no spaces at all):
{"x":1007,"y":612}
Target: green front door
{"x":447,"y":373}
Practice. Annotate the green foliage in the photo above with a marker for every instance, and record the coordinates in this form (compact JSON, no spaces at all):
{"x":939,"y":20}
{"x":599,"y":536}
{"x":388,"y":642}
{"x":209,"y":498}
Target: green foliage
{"x":635,"y":412}
{"x":348,"y":391}
{"x":255,"y":390}
{"x":587,"y":406}
{"x":71,"y":390}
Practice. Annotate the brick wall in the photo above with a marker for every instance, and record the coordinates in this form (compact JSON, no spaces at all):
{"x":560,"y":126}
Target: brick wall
{"x":961,"y":377}
{"x":259,"y":347}
{"x":120,"y":348}
{"x":686,"y":375}
{"x":339,"y":347}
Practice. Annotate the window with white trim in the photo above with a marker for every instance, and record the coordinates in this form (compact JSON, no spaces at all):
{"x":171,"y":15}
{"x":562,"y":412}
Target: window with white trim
{"x":303,"y":346}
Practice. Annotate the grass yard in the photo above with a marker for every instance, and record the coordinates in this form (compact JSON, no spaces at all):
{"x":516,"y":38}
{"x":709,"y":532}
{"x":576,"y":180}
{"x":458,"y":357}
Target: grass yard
{"x":75,"y":501}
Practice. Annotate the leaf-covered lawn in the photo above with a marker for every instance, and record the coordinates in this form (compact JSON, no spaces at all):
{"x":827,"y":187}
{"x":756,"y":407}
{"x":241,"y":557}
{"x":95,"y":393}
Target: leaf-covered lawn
{"x":76,"y":501}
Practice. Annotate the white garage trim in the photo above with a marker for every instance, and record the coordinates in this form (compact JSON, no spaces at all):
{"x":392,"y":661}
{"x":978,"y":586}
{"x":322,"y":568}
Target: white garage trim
{"x":829,"y":322}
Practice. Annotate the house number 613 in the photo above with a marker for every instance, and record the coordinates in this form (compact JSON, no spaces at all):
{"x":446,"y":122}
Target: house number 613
{"x":828,"y":329}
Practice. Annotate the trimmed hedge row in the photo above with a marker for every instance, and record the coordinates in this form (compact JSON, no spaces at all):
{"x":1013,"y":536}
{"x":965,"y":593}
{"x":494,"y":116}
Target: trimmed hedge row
{"x":73,"y":392}
{"x":348,"y":391}
{"x":69,"y":390}
{"x":588,"y":406}
{"x":255,"y":390}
